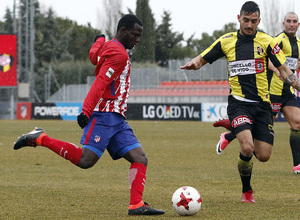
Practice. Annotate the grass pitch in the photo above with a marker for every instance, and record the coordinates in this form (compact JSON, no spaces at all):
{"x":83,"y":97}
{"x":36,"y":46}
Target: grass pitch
{"x":35,"y":183}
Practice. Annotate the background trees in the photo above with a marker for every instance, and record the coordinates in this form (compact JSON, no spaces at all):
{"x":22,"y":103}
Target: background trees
{"x":62,"y":46}
{"x":145,"y":50}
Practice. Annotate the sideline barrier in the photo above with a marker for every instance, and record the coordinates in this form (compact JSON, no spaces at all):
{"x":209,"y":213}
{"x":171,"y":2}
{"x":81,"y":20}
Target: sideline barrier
{"x":59,"y":110}
{"x":206,"y":112}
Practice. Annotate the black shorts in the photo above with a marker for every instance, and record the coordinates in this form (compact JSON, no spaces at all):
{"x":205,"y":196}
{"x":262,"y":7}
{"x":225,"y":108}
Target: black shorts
{"x":278,"y":102}
{"x":256,"y":117}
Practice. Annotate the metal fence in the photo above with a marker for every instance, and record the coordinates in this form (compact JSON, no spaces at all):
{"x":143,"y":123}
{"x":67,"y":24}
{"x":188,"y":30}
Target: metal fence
{"x":141,"y":78}
{"x":147,"y":78}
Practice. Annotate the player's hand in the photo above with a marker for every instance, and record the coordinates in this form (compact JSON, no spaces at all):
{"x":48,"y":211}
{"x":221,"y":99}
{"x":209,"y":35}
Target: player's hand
{"x":82,"y":120}
{"x":98,"y":36}
{"x":189,"y":66}
{"x":195,"y":64}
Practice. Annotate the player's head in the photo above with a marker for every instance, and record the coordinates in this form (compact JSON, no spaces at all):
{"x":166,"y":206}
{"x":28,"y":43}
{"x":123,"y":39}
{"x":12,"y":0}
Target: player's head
{"x":291,"y":23}
{"x":129,"y":30}
{"x":249,"y":18}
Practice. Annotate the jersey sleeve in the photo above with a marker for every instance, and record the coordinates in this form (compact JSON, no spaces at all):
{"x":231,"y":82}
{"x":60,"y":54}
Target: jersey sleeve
{"x":94,"y":51}
{"x":110,"y":69}
{"x":275,"y":54}
{"x":213,"y":52}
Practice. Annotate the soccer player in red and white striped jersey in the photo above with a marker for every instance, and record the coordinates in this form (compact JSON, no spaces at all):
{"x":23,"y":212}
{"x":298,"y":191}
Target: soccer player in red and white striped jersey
{"x":103,"y":115}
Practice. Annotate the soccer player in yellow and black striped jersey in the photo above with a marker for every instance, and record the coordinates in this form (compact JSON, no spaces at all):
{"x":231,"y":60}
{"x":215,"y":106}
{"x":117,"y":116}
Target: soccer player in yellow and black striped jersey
{"x":282,"y":94}
{"x":247,"y":52}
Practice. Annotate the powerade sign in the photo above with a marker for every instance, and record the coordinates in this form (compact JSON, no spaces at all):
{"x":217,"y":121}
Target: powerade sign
{"x":62,"y":111}
{"x":164,"y":112}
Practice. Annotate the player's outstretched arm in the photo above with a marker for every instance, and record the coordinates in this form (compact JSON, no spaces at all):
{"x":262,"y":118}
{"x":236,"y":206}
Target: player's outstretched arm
{"x":195,"y":64}
{"x":289,"y":77}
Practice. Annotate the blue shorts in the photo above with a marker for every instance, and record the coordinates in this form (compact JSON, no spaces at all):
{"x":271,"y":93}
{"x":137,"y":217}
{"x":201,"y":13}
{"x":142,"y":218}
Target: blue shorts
{"x":110,"y":131}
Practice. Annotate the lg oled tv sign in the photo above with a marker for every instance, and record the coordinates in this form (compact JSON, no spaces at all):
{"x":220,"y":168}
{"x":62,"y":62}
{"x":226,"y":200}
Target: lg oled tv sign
{"x":164,"y":112}
{"x":8,"y":60}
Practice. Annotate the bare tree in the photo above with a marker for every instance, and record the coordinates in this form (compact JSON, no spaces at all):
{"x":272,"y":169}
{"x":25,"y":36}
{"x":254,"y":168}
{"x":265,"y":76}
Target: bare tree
{"x":108,"y":18}
{"x":272,"y":15}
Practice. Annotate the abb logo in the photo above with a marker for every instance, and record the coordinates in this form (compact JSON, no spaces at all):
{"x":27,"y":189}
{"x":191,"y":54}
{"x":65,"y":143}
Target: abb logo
{"x":276,"y":49}
{"x":276,"y":107}
{"x":241,"y":120}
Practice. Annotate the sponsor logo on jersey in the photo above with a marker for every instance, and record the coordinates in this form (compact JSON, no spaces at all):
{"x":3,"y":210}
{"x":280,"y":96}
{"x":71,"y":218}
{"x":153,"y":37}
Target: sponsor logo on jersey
{"x":227,"y":36}
{"x":109,"y":72}
{"x":259,"y":65}
{"x":276,"y":107}
{"x":276,"y":49}
{"x":291,"y":62}
{"x":246,"y":67}
{"x":243,"y":119}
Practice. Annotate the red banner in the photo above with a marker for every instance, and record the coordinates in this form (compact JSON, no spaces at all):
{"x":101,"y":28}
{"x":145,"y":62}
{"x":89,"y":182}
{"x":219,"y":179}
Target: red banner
{"x":8,"y":60}
{"x":24,"y":110}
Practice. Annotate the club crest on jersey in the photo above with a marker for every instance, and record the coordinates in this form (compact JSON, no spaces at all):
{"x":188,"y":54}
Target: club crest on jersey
{"x":259,"y":50}
{"x":97,"y":138}
{"x":109,"y":72}
{"x":276,"y":49}
{"x":243,"y":119}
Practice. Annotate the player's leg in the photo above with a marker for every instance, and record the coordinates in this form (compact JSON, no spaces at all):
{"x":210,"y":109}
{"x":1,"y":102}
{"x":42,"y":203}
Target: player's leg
{"x":292,"y":115}
{"x":137,"y":181}
{"x":125,"y":145}
{"x":245,"y":164}
{"x":38,"y":137}
{"x":242,"y":116}
{"x":83,"y":158}
{"x":226,"y":137}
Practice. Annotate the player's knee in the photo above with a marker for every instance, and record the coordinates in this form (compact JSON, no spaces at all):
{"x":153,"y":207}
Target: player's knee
{"x":144,"y":159}
{"x":295,"y":125}
{"x":247,"y":148}
{"x":263,"y":157}
{"x":85,"y":164}
{"x":88,"y":159}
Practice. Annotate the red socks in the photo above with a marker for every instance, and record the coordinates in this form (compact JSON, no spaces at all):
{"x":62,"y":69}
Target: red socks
{"x":71,"y":152}
{"x":66,"y":150}
{"x":137,"y":180}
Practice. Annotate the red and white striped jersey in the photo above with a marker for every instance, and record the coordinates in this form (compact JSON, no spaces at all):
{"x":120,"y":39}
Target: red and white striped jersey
{"x":297,"y":93}
{"x":109,"y":92}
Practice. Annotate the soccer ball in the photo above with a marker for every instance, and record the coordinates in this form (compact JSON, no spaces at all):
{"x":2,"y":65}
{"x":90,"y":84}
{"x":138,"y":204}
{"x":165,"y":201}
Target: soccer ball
{"x":186,"y":200}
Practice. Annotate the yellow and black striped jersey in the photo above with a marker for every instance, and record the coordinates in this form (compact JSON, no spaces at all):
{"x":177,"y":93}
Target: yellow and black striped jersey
{"x":290,"y":47}
{"x":247,"y":59}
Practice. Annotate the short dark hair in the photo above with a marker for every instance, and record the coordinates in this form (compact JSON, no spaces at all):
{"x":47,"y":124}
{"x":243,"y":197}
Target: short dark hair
{"x":250,"y":7}
{"x":128,"y":22}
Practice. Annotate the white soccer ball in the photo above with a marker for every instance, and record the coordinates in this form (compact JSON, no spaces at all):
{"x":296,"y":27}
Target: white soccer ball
{"x":186,"y":200}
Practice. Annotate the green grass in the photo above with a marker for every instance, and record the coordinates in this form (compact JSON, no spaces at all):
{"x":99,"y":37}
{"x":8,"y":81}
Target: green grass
{"x":35,"y":183}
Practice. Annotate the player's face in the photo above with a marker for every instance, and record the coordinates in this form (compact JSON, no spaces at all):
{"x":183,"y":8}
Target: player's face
{"x":133,"y":37}
{"x":291,"y":24}
{"x":248,"y":23}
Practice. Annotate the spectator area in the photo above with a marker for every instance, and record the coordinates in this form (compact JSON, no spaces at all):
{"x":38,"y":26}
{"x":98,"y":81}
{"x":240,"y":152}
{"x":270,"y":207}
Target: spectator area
{"x":183,"y":88}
